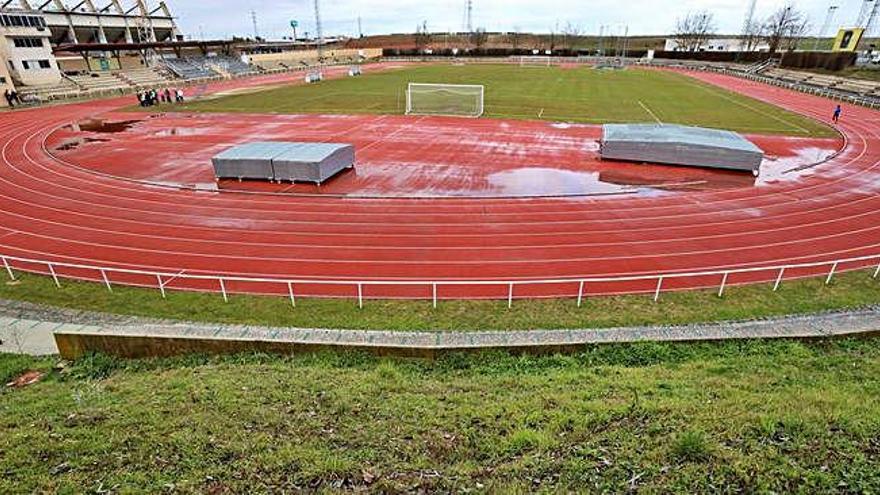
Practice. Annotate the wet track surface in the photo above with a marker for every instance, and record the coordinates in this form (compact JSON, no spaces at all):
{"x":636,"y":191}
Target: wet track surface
{"x":55,"y":207}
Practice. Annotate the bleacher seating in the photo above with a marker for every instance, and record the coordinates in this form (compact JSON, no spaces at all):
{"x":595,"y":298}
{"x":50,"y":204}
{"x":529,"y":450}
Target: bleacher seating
{"x":190,"y":68}
{"x":859,"y":86}
{"x":142,"y":78}
{"x":789,"y":75}
{"x":273,"y":65}
{"x":286,"y":64}
{"x":99,"y":81}
{"x":64,"y":89}
{"x":230,"y":65}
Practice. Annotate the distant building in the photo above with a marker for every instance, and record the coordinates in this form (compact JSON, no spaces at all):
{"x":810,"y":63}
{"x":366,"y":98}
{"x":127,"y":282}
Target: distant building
{"x":30,"y":36}
{"x":717,"y":45}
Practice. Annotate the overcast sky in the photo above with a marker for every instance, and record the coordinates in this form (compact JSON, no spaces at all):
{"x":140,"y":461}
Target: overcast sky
{"x":223,"y":18}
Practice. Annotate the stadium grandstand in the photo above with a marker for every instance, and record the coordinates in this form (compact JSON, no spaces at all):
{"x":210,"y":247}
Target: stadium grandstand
{"x":51,"y":51}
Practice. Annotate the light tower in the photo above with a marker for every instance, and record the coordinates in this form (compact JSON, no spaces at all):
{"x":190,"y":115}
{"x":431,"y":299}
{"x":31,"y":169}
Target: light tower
{"x":829,"y":18}
{"x":871,"y":22}
{"x":319,"y":31}
{"x":254,"y":20}
{"x":865,"y":12}
{"x":469,"y":16}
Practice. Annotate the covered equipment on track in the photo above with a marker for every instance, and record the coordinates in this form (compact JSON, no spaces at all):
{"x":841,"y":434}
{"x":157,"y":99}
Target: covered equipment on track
{"x":248,"y":161}
{"x":312,"y":162}
{"x":680,"y":145}
{"x":284,"y":161}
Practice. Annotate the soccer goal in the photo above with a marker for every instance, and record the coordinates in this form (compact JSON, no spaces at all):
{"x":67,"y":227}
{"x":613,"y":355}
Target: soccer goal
{"x":535,"y":61}
{"x":444,"y":99}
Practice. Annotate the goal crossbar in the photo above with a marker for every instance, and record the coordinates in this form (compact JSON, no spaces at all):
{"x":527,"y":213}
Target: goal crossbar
{"x":535,"y":61}
{"x":445,"y":99}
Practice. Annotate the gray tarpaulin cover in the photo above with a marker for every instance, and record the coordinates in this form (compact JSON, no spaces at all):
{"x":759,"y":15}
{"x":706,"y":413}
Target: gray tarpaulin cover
{"x":284,"y":161}
{"x":680,"y":145}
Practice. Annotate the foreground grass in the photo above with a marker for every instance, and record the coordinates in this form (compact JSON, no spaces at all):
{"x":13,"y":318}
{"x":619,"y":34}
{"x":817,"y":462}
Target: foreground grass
{"x":555,"y":94}
{"x":753,"y":417}
{"x":848,"y":291}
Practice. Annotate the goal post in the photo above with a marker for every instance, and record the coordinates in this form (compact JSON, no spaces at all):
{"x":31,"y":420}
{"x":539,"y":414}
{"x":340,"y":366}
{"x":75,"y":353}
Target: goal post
{"x":464,"y":100}
{"x":535,"y":61}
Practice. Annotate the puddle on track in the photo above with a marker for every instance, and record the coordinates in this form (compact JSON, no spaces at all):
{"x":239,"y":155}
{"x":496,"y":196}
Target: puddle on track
{"x":521,"y":159}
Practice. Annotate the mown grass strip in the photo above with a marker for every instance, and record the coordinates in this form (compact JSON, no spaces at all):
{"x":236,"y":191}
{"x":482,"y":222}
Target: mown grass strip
{"x":847,"y":291}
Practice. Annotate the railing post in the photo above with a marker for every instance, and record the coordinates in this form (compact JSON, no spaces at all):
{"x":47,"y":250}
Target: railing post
{"x":161,"y":285}
{"x":8,"y":269}
{"x":831,"y":273}
{"x":106,"y":280}
{"x":659,"y":286}
{"x":54,"y":276}
{"x":723,"y":284}
{"x":434,"y":294}
{"x":581,"y":293}
{"x":779,"y":279}
{"x":510,"y":296}
{"x":290,"y":293}
{"x":223,"y":290}
{"x":360,"y":295}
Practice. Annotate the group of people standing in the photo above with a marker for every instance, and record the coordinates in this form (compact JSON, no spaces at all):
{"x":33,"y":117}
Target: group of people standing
{"x":154,"y":97}
{"x":12,"y":98}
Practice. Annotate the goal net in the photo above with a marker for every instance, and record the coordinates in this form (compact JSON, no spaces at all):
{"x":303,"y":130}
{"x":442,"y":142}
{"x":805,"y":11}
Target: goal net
{"x":444,"y":99}
{"x":535,"y":61}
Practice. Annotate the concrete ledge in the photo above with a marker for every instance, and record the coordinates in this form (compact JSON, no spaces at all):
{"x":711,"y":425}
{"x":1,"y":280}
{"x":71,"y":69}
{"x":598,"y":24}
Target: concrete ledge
{"x":163,"y":340}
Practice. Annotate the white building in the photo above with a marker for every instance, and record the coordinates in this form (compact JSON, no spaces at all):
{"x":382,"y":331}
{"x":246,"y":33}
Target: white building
{"x":717,"y":45}
{"x":25,"y":49}
{"x":30,"y":33}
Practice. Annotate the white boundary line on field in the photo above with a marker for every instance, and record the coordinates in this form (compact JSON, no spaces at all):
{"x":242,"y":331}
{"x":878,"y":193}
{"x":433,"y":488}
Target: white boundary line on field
{"x":652,"y":114}
{"x":756,"y":110}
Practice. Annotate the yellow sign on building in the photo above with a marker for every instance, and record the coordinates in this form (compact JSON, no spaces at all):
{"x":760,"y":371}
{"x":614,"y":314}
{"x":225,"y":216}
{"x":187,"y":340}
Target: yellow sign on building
{"x":848,"y":40}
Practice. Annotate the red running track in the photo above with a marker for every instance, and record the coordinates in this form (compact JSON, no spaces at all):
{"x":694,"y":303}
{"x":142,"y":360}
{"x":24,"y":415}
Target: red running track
{"x":52,"y":211}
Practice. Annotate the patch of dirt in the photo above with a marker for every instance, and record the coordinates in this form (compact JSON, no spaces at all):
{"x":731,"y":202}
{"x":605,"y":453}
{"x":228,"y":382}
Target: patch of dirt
{"x":105,"y":127}
{"x":26,"y":379}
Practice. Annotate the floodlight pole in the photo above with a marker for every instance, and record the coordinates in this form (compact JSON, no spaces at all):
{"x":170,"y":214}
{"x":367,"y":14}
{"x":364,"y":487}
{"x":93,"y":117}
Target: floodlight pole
{"x":829,"y":18}
{"x":319,"y":31}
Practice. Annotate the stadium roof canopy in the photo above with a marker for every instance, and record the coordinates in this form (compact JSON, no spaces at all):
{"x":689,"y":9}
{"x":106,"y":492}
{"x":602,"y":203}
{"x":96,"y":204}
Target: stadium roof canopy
{"x":135,"y":8}
{"x":109,"y":47}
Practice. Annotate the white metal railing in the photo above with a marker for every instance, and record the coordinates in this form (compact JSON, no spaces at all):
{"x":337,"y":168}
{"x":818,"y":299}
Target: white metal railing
{"x":164,"y":278}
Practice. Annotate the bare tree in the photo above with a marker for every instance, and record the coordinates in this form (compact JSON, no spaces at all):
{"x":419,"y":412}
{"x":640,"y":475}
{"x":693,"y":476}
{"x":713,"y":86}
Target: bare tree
{"x":423,"y":37}
{"x":784,"y":28}
{"x":751,"y":36}
{"x":479,"y":38}
{"x":570,"y":34}
{"x":693,"y":30}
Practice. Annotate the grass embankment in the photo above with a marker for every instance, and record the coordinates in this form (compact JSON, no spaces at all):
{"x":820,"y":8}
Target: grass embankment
{"x":771,"y":417}
{"x":555,"y":94}
{"x":848,"y":291}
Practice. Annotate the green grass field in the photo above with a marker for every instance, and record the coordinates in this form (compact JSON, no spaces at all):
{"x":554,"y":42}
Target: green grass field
{"x":573,"y":95}
{"x":848,"y":291}
{"x":747,"y":417}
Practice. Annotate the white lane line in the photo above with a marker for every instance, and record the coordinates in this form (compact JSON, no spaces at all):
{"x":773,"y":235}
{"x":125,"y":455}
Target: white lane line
{"x":652,"y":114}
{"x":10,"y":233}
{"x":387,"y":139}
{"x":756,"y":110}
